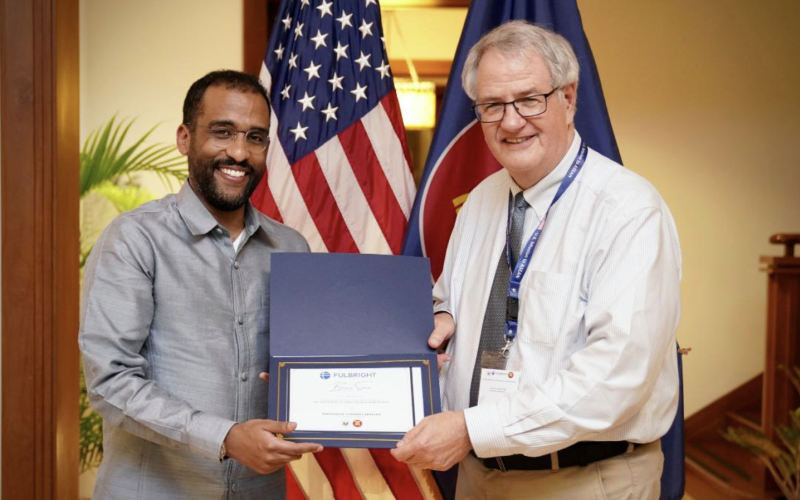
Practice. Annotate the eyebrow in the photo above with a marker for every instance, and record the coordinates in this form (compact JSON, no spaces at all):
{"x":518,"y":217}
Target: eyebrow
{"x":519,"y":95}
{"x":229,"y":123}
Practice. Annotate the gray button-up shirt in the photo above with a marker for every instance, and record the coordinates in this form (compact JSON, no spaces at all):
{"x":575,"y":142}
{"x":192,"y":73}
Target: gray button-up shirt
{"x":174,"y":332}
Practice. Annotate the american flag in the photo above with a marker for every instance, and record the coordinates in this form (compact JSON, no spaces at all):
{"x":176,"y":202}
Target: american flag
{"x":339,"y":172}
{"x":338,"y":169}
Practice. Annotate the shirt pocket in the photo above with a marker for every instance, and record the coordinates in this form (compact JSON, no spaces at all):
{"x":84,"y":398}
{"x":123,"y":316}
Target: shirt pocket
{"x":544,"y":303}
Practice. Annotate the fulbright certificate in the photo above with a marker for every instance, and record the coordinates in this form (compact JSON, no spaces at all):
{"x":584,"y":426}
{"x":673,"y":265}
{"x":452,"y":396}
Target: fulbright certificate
{"x":356,"y":402}
{"x":348,"y":347}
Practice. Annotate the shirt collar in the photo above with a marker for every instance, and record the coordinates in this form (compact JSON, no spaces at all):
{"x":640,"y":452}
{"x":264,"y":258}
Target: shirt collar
{"x":200,"y":221}
{"x":540,"y":195}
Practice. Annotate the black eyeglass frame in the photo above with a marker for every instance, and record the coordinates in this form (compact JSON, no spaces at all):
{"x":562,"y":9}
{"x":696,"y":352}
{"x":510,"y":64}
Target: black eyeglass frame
{"x":513,"y":103}
{"x":252,"y":147}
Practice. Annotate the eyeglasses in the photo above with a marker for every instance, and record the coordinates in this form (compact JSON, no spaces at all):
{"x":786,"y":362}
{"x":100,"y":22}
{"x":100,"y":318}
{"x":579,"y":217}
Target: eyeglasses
{"x":527,"y":107}
{"x":223,"y":137}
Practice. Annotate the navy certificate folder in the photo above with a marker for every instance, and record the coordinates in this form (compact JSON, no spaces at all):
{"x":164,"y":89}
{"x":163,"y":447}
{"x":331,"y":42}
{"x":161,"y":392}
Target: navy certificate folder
{"x":338,"y":312}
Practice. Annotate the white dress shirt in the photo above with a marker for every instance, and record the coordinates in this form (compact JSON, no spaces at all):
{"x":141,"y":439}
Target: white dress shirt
{"x":598,"y":310}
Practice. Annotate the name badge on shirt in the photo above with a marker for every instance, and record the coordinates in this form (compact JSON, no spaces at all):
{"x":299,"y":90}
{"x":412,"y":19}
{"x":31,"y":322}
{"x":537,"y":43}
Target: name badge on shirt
{"x":497,"y":383}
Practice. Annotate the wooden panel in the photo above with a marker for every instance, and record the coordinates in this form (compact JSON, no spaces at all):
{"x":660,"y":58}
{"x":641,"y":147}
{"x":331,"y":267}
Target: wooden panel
{"x":66,"y":248}
{"x":425,"y":69}
{"x":256,"y":33}
{"x":783,"y":332}
{"x":391,"y":4}
{"x":39,"y":106}
{"x":701,"y":487}
{"x":19,"y":429}
{"x":711,"y":418}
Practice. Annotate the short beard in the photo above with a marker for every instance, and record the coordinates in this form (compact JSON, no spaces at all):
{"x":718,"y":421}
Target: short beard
{"x":201,"y":173}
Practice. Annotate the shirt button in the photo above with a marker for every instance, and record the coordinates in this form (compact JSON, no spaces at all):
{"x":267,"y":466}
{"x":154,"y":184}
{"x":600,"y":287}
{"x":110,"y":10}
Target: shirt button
{"x":241,"y":320}
{"x":243,"y":376}
{"x":233,"y":487}
{"x":236,"y":264}
{"x":219,"y":230}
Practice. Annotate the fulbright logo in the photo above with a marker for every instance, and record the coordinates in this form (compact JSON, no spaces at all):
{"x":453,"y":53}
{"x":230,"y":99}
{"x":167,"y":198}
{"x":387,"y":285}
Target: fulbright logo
{"x":325,"y":375}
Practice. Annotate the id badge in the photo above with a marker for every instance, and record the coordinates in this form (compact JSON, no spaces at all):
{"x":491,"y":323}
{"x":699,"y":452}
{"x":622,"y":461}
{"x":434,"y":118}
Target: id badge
{"x":497,"y":383}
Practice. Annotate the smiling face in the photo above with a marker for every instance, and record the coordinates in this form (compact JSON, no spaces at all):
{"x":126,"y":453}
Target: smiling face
{"x":225,"y":177}
{"x":529,"y":148}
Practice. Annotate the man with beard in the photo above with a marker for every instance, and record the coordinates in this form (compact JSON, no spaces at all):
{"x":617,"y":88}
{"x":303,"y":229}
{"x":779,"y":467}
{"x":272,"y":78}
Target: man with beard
{"x":175,"y":318}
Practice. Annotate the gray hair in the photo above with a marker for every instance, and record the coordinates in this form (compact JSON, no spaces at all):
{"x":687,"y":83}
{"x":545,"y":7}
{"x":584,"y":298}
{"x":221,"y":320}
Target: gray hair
{"x":518,"y":38}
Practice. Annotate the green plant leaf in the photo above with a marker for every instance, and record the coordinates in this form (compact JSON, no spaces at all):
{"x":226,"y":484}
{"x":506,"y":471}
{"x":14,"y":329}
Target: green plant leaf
{"x":104,"y":159}
{"x":123,"y":198}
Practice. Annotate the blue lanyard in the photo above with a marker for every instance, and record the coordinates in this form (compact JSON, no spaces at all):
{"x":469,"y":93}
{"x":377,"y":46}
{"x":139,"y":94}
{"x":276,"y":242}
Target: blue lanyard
{"x":512,"y":301}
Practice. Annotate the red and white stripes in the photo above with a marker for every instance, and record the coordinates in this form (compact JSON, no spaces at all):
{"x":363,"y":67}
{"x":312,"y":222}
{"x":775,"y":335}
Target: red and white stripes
{"x":353,"y":194}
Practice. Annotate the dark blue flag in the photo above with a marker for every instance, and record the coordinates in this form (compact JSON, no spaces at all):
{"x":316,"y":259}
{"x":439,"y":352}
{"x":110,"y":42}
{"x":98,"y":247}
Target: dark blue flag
{"x":459,"y":160}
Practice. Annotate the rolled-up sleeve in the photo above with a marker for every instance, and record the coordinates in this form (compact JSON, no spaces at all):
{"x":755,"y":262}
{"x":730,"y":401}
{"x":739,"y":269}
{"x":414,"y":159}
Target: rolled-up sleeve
{"x":117,"y":312}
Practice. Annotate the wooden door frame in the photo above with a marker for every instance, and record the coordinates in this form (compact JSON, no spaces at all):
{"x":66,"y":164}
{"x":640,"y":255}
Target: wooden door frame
{"x":39,"y":138}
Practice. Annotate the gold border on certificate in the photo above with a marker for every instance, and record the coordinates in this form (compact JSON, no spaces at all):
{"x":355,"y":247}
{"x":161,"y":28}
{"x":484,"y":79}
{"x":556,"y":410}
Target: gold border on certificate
{"x":283,"y":365}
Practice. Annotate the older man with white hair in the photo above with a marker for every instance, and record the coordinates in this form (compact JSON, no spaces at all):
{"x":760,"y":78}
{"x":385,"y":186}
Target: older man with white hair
{"x":558,"y":301}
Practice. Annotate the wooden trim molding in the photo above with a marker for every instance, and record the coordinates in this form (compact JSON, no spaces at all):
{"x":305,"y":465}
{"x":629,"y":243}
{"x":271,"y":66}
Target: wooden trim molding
{"x":714,"y":416}
{"x":40,"y":164}
{"x":256,"y":33}
{"x":417,"y":4}
{"x":783,"y":333}
{"x":425,"y":68}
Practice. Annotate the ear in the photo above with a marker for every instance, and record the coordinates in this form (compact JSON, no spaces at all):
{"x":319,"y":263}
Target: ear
{"x":570,"y":93}
{"x":183,"y":138}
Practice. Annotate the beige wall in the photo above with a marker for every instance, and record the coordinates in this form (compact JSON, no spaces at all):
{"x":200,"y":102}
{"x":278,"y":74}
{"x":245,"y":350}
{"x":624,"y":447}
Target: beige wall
{"x":138,"y":59}
{"x":422,"y":34}
{"x":703,"y":97}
